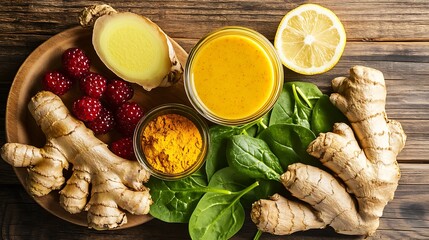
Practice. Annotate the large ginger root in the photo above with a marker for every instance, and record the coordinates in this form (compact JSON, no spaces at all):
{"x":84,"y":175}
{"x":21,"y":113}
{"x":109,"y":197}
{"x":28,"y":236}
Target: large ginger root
{"x":116,"y":182}
{"x":367,"y":166}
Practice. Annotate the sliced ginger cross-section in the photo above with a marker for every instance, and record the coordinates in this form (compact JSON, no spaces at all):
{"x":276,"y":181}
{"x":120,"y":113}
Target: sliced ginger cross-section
{"x":132,"y":46}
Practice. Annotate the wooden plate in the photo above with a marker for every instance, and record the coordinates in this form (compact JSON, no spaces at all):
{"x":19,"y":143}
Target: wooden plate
{"x":21,"y":127}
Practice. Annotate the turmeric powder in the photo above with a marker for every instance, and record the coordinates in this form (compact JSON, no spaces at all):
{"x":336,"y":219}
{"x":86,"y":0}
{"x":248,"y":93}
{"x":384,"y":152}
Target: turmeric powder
{"x":171,"y":143}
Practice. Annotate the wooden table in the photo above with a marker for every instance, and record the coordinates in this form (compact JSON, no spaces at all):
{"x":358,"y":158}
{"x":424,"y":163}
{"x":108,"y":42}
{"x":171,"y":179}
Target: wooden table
{"x":392,"y":36}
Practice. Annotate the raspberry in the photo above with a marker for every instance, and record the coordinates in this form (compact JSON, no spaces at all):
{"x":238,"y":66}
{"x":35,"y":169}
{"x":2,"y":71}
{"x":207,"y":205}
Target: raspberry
{"x":87,"y":108}
{"x":93,"y":85}
{"x":127,"y":117}
{"x":56,"y":82}
{"x":123,"y":148}
{"x":103,"y":123}
{"x":118,"y":91}
{"x":75,"y":62}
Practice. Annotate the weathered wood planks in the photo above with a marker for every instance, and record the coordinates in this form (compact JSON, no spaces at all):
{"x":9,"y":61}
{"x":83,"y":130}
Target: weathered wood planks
{"x":364,"y":20}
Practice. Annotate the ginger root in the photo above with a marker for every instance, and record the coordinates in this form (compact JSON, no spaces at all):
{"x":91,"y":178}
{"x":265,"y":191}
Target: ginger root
{"x":115,"y":182}
{"x":132,"y":46}
{"x":367,"y":166}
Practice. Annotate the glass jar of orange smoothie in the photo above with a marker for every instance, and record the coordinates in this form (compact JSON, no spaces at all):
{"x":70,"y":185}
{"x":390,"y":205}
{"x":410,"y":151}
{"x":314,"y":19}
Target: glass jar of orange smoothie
{"x":233,"y":76}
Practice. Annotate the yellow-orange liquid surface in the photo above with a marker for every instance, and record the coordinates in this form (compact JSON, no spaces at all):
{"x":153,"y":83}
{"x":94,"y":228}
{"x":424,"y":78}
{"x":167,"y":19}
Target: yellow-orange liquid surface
{"x":233,"y":76}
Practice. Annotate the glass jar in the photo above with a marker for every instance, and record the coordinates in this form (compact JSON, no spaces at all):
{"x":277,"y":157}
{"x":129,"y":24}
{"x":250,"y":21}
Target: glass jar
{"x":165,"y":109}
{"x":233,"y":76}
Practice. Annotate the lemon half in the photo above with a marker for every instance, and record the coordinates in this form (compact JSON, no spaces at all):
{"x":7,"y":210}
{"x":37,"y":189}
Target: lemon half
{"x":310,"y":39}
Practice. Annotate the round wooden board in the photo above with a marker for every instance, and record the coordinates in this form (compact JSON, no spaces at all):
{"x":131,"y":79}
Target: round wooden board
{"x":21,"y":127}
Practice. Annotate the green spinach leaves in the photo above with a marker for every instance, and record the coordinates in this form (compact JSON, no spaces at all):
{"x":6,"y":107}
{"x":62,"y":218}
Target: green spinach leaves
{"x":289,"y":143}
{"x":325,"y":114}
{"x":220,"y":216}
{"x":253,"y":158}
{"x":174,"y":201}
{"x":215,"y":158}
{"x":290,"y":107}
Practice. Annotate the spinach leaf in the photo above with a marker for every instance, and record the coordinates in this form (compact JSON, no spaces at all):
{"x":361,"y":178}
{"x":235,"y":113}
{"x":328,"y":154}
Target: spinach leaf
{"x":174,"y":201}
{"x":289,"y":107}
{"x":289,"y":143}
{"x":254,"y":128}
{"x":263,"y":122}
{"x":216,"y":217}
{"x":253,"y":158}
{"x":324,"y":115}
{"x":220,"y":216}
{"x":216,"y":158}
{"x":228,"y":179}
{"x":301,"y":112}
{"x":265,"y":189}
{"x":252,"y":131}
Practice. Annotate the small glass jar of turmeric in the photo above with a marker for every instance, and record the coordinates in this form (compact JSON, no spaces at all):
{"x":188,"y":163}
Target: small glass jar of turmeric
{"x":171,"y":141}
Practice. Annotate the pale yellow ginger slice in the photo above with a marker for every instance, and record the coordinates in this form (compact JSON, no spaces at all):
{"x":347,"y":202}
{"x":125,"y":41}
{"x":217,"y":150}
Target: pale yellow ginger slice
{"x":132,"y":46}
{"x":366,"y":164}
{"x":116,"y":183}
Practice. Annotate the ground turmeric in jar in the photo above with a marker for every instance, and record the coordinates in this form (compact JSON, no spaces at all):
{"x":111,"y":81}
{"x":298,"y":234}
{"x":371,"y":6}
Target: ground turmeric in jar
{"x":171,"y":143}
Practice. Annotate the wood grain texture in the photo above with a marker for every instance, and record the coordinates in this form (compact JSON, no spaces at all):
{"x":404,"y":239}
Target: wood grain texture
{"x":392,"y":36}
{"x":389,"y":20}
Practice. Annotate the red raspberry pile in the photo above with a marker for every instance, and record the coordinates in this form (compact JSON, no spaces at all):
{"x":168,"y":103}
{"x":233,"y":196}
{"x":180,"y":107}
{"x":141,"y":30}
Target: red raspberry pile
{"x":104,"y":105}
{"x":123,"y":148}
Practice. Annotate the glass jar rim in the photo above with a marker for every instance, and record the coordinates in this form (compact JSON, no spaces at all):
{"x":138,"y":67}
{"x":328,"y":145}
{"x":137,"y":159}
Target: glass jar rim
{"x":260,"y":40}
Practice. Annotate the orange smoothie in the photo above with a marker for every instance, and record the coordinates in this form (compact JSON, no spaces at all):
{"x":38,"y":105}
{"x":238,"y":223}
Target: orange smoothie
{"x":233,"y":76}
